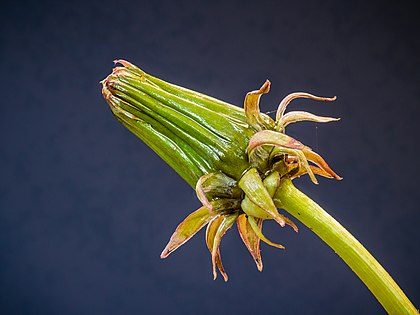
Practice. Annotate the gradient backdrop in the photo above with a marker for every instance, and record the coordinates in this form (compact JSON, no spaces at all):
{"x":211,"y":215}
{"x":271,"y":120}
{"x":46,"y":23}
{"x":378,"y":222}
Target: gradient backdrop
{"x":86,"y":208}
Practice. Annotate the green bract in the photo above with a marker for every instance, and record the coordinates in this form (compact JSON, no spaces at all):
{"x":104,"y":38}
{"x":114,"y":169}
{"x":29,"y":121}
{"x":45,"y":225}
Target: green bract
{"x":234,"y":158}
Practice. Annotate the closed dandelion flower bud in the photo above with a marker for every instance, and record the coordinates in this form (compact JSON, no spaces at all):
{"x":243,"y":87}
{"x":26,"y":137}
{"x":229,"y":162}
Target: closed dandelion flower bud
{"x":235,"y":158}
{"x":241,"y":164}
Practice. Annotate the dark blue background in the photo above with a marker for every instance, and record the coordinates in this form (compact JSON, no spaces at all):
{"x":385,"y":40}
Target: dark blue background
{"x":86,"y":208}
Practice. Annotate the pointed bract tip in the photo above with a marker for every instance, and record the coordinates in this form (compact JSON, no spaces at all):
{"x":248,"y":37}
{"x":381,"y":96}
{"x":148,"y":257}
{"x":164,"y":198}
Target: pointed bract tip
{"x":225,"y":277}
{"x":280,"y":221}
{"x":291,"y":224}
{"x":124,"y":63}
{"x":121,"y":61}
{"x":165,"y":253}
{"x":265,"y":88}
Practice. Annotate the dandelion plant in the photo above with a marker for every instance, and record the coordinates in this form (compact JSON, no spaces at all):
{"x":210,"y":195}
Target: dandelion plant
{"x":241,"y":163}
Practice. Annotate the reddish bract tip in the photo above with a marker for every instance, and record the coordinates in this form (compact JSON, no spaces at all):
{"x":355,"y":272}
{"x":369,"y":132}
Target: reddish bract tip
{"x":165,"y":253}
{"x":124,"y":63}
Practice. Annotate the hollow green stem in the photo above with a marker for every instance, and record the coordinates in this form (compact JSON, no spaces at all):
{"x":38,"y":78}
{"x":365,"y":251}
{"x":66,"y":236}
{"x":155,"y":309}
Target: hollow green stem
{"x":367,"y":268}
